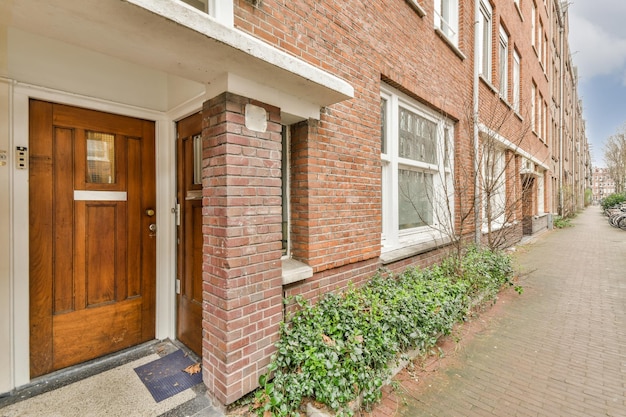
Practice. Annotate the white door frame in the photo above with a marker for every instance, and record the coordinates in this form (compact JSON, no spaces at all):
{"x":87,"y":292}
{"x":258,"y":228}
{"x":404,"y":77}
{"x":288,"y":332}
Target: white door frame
{"x":165,"y":183}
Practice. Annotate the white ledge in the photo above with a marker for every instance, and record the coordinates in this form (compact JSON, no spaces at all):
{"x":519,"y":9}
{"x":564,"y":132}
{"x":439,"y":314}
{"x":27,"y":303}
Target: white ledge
{"x":294,"y":271}
{"x":413,"y":250}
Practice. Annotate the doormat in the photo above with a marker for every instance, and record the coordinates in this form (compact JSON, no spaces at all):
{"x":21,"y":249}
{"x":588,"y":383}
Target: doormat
{"x":166,"y":376}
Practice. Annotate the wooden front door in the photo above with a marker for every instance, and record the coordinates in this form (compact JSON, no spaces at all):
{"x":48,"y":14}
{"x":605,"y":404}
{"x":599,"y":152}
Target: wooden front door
{"x":189,"y":232}
{"x":92,"y":244}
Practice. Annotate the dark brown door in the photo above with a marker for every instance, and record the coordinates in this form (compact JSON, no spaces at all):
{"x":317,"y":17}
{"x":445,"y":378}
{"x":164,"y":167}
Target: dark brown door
{"x":189,"y":230}
{"x":92,"y":251}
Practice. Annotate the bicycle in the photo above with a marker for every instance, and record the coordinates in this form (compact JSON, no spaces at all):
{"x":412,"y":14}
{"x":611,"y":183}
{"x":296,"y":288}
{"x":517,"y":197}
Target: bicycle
{"x":617,"y":216}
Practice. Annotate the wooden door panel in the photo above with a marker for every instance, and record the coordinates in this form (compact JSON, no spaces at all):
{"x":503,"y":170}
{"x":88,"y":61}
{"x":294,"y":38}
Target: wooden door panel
{"x":92,"y":256}
{"x":118,"y":327}
{"x":63,"y":266}
{"x":79,"y":118}
{"x":198,"y":239}
{"x":40,"y":230}
{"x":103,"y":239}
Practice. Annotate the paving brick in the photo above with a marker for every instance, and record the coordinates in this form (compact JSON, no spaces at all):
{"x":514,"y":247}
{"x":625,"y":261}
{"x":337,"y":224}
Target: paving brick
{"x":556,"y":350}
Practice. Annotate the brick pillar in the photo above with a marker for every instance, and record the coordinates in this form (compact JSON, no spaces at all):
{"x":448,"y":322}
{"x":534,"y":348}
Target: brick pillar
{"x":242,"y":284}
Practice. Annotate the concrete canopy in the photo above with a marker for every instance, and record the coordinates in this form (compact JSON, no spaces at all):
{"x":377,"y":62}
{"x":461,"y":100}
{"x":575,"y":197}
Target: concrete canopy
{"x":172,"y":37}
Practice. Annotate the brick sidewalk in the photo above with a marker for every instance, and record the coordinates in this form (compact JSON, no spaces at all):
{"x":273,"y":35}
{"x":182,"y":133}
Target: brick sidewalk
{"x":557,"y":350}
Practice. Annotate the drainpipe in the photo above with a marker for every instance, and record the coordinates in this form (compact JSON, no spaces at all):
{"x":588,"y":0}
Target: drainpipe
{"x":561,"y":111}
{"x":477,"y":220}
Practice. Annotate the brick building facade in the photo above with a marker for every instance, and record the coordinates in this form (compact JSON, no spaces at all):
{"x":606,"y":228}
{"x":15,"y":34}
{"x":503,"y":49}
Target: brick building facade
{"x":299,"y":147}
{"x":602,"y":184}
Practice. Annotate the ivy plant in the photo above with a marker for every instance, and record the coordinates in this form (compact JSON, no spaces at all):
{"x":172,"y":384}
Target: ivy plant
{"x":341,"y":348}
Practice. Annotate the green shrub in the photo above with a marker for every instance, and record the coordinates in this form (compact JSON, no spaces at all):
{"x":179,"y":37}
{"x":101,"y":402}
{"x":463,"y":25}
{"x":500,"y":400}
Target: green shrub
{"x":341,"y":348}
{"x":562,"y":222}
{"x":613,"y":199}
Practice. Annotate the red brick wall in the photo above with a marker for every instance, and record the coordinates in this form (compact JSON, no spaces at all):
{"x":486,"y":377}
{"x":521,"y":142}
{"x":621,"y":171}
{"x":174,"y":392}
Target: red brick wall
{"x":242,"y":281}
{"x":336,"y":170}
{"x":336,"y":193}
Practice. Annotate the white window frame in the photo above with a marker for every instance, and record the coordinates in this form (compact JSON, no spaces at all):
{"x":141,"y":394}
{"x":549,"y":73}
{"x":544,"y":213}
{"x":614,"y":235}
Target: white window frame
{"x":221,"y":10}
{"x":533,"y":106}
{"x":540,"y":116}
{"x":447,"y":19}
{"x":442,"y":172}
{"x":498,"y":174}
{"x":485,"y":31}
{"x":504,"y":63}
{"x":516,"y":80}
{"x":540,"y":45}
{"x":533,"y":27}
{"x":286,"y":190}
{"x":540,"y":193}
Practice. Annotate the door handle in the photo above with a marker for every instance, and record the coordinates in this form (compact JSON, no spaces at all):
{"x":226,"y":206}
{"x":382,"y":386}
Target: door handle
{"x":152,"y":229}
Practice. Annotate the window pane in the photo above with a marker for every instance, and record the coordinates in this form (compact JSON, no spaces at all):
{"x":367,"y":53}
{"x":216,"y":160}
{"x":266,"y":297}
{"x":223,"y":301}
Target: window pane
{"x":414,"y":199}
{"x":285,"y":190}
{"x":383,"y":125}
{"x":197,"y":159}
{"x":100,"y":158}
{"x":446,"y":148}
{"x":418,"y":138}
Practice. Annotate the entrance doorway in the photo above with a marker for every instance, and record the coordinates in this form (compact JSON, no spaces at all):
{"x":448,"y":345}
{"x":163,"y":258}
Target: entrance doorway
{"x":92,"y":234}
{"x":189,"y":232}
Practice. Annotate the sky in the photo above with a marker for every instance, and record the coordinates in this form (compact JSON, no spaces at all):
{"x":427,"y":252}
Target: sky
{"x":597,"y":42}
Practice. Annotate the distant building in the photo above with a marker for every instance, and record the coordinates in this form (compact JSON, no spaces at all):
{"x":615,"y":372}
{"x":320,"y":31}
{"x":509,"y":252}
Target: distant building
{"x":602,"y":184}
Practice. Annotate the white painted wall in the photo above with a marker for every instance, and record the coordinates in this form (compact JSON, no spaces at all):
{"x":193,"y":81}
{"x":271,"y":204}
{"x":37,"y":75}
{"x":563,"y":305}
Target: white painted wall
{"x":41,"y":61}
{"x":5,"y":243}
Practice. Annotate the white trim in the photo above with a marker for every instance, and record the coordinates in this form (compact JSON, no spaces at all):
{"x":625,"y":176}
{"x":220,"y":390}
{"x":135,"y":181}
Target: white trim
{"x":510,"y":145}
{"x":88,"y":195}
{"x":447,"y":21}
{"x":222,"y":11}
{"x":485,"y":21}
{"x":20,"y":299}
{"x":7,"y":232}
{"x":416,"y":6}
{"x":165,"y":163}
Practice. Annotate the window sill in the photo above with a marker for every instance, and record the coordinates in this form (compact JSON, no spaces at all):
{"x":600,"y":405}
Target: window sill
{"x":497,"y":226}
{"x":416,"y":6}
{"x":504,"y":101}
{"x":413,"y":250}
{"x":451,"y":44}
{"x":295,"y":271}
{"x":488,"y":83}
{"x":519,"y":11}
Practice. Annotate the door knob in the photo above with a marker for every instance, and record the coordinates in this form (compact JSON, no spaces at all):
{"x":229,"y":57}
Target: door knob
{"x":149,"y":212}
{"x":152,"y":227}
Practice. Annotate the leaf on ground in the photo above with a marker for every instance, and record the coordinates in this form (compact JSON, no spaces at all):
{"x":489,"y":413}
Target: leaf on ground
{"x":193,"y":369}
{"x":328,"y":341}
